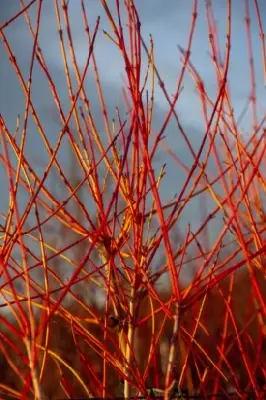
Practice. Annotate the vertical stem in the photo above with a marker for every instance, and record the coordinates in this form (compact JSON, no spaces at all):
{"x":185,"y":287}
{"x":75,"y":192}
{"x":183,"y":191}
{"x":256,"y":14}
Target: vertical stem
{"x":130,"y":341}
{"x":169,"y":381}
{"x":39,"y":395}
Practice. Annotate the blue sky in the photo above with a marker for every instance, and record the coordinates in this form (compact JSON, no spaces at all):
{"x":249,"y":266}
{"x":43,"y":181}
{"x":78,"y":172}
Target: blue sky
{"x":168,"y":21}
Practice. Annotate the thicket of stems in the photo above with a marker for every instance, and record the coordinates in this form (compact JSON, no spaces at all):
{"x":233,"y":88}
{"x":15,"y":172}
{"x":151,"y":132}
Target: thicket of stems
{"x":81,"y":270}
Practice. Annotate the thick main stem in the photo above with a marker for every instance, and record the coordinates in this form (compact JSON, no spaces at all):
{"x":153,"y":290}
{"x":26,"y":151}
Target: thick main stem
{"x":169,"y":385}
{"x":130,"y":342}
{"x":39,"y":395}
